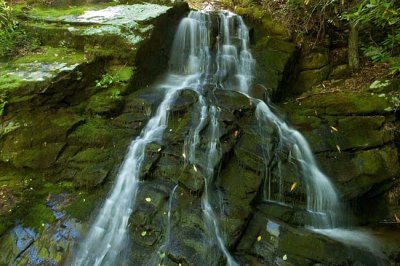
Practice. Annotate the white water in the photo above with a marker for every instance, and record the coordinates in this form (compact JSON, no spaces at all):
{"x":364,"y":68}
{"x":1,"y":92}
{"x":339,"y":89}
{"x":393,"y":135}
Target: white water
{"x":212,"y":156}
{"x":169,"y":225}
{"x":322,"y":199}
{"x":107,"y":237}
{"x":195,"y":62}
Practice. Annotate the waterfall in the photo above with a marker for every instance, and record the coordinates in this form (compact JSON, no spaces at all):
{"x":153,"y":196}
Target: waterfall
{"x":322,"y":200}
{"x":220,"y":59}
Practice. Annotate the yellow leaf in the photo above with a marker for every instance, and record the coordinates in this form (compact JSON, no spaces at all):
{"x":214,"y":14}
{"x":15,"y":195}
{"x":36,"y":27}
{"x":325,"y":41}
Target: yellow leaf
{"x":184,"y":156}
{"x":397,"y":219}
{"x":334,"y":128}
{"x":338,"y":148}
{"x":306,"y":2}
{"x":148,"y":199}
{"x":259,"y":238}
{"x":342,"y":1}
{"x":293,"y":187}
{"x":195,"y":168}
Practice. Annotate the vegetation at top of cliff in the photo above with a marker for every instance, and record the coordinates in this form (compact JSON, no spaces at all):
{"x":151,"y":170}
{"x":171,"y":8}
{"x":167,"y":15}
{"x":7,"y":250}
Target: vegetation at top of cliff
{"x":376,"y":21}
{"x":383,"y":18}
{"x":14,"y":39}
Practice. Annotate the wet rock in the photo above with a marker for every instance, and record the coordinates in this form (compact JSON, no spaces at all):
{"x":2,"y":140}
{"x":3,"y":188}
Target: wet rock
{"x":274,"y":241}
{"x":233,"y":101}
{"x":277,"y":58}
{"x":286,"y":213}
{"x":152,"y":154}
{"x":359,"y":172}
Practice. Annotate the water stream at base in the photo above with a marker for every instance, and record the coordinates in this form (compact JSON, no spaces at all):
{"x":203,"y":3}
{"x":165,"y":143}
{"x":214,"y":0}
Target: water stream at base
{"x":198,"y":60}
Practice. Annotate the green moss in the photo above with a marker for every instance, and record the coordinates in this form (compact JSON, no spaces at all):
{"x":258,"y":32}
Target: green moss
{"x":310,"y":78}
{"x":10,"y":82}
{"x":84,"y":204}
{"x":91,"y":155}
{"x":50,"y":55}
{"x":38,"y":216}
{"x":341,"y":103}
{"x":54,"y":13}
{"x":121,"y":73}
{"x":95,"y":132}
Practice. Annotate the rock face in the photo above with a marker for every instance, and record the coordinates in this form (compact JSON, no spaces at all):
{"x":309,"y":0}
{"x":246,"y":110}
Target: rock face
{"x":353,"y":134}
{"x":69,"y":110}
{"x":274,"y":50}
{"x":67,"y":117}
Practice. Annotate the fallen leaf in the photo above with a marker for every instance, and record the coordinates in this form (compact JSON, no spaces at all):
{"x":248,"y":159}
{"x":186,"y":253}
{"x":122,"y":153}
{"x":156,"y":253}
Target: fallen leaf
{"x":294,"y":186}
{"x":195,"y":168}
{"x":259,"y":238}
{"x":397,"y":219}
{"x":338,"y":148}
{"x":284,"y":257}
{"x":144,"y":233}
{"x":184,"y":155}
{"x":334,"y":128}
{"x":159,"y":150}
{"x":148,"y":199}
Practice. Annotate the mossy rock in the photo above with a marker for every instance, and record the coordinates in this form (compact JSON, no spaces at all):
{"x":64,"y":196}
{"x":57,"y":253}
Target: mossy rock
{"x":97,"y":132}
{"x":91,"y":176}
{"x":331,"y":133}
{"x":356,"y":174}
{"x":314,"y":60}
{"x":38,"y":216}
{"x":106,"y":103}
{"x":39,"y":157}
{"x":271,"y":240}
{"x":340,"y":72}
{"x":85,"y":203}
{"x":274,"y":60}
{"x":309,"y":78}
{"x":341,"y":103}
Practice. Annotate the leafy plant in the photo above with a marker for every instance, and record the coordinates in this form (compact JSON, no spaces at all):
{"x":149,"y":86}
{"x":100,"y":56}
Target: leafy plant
{"x":382,"y":16}
{"x":13,"y":39}
{"x":377,"y":54}
{"x":105,"y":81}
{"x":395,"y":65}
{"x":115,"y":94}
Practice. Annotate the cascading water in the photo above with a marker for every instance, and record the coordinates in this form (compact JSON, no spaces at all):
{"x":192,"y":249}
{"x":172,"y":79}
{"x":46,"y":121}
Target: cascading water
{"x":200,"y":62}
{"x":322,"y":200}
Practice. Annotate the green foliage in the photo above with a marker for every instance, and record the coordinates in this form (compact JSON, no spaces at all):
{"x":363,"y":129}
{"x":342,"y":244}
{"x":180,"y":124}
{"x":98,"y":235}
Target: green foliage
{"x":105,"y":81}
{"x":376,"y":54}
{"x":382,"y":16}
{"x":115,"y":94}
{"x":379,"y":12}
{"x":13,"y":39}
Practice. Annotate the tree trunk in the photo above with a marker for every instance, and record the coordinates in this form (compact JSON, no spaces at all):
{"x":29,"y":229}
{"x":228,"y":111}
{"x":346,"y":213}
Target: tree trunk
{"x":354,"y":57}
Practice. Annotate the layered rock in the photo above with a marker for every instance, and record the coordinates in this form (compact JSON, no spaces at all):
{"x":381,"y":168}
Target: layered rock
{"x":67,"y":116}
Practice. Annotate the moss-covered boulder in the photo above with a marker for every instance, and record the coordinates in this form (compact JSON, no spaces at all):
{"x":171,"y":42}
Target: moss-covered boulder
{"x":314,"y":60}
{"x":269,"y":241}
{"x":309,"y":78}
